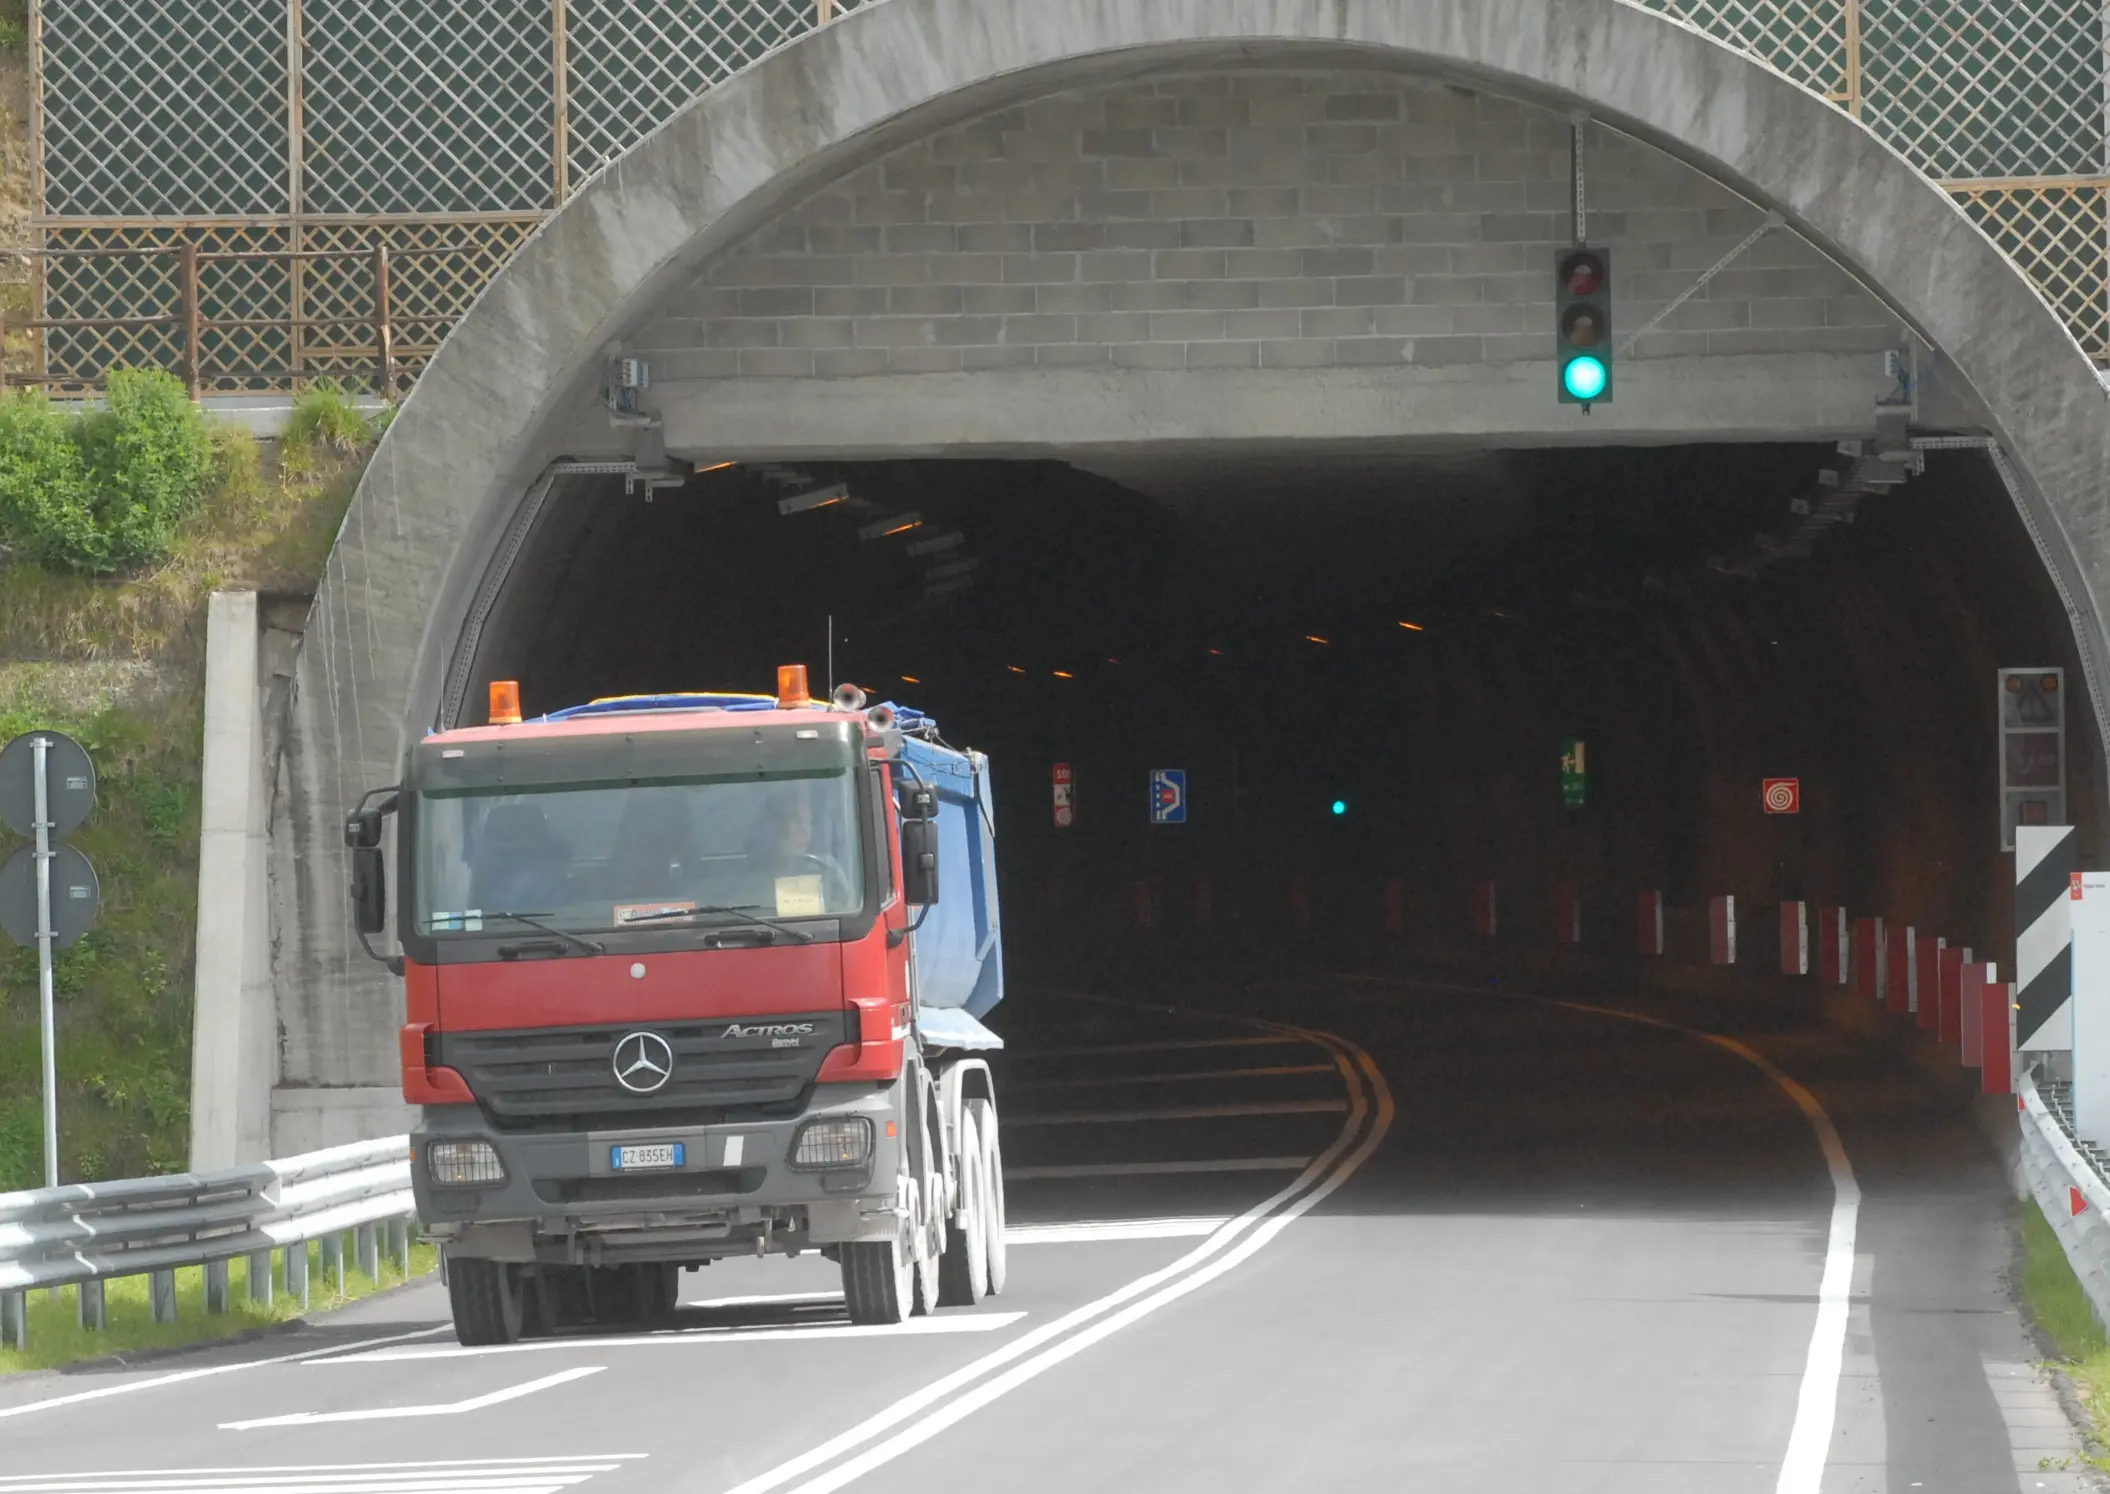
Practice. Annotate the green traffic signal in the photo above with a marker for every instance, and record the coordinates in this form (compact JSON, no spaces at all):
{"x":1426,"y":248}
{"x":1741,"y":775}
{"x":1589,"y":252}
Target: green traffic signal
{"x":1340,"y":806}
{"x":1582,"y":333}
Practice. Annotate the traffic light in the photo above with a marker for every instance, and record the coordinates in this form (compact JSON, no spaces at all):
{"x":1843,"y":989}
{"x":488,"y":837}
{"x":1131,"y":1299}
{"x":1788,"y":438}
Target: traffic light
{"x":1582,"y":298}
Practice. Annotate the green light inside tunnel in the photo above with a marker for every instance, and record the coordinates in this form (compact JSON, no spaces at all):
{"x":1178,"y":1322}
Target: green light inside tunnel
{"x":1340,"y":806}
{"x":1584,"y":377}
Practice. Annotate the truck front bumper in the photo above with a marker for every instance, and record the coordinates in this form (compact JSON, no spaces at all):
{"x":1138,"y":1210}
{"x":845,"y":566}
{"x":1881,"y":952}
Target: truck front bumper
{"x":563,"y":1199}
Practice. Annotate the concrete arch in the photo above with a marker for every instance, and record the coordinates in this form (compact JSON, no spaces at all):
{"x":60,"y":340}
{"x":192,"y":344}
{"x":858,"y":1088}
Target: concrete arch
{"x":454,"y":467}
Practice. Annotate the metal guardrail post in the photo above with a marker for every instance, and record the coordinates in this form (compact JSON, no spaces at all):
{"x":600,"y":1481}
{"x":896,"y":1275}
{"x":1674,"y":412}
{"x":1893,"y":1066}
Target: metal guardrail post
{"x":333,"y":1261}
{"x":193,"y":338}
{"x":14,"y":1320}
{"x":366,"y":1241}
{"x":90,"y":1308}
{"x":297,"y":1273}
{"x":260,"y":1282}
{"x":384,"y":327}
{"x":216,"y":1286}
{"x":161,"y":1291}
{"x":399,"y":1245}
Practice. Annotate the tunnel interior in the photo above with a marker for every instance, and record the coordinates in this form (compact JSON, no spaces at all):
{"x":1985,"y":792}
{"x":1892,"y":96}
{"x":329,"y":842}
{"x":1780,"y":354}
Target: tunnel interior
{"x":1369,"y":667}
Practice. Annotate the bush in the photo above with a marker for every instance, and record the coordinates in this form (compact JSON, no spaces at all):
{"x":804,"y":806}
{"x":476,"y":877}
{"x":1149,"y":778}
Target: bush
{"x":325,"y":422}
{"x":103,"y":491}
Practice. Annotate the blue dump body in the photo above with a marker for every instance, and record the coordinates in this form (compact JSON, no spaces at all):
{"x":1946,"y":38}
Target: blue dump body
{"x":960,"y":946}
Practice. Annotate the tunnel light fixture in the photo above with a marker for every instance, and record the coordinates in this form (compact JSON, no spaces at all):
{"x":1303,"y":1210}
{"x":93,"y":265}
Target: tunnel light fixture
{"x":716,"y":467}
{"x":1015,"y":669}
{"x":1064,"y":674}
{"x":1314,"y":638}
{"x":938,"y":544}
{"x":828,"y":497}
{"x":1216,"y":653}
{"x":910,"y":679}
{"x":1113,"y":661}
{"x":1413,"y":627}
{"x":896,"y":524}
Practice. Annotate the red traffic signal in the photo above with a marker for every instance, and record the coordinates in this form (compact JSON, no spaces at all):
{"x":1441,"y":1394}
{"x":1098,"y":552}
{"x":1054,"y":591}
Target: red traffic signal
{"x":1582,"y":273}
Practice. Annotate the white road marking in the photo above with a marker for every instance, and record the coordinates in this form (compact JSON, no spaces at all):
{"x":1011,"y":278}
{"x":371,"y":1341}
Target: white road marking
{"x":1168,"y":1045}
{"x":1326,"y":1172}
{"x":1271,"y":1071}
{"x":1157,"y":1169}
{"x":1177,"y":1113}
{"x":678,"y":1338}
{"x":217,"y":1369}
{"x":1093,"y":1231}
{"x":483,"y":1474}
{"x":396,"y":1413}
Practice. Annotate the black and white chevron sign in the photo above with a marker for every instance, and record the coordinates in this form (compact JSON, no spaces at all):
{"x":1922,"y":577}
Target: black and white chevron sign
{"x":2043,"y":937}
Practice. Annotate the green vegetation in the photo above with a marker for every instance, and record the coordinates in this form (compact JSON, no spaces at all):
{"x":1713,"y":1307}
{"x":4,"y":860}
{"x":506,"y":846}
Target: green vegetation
{"x":55,"y":1337}
{"x":2059,"y":1307}
{"x":325,"y":425}
{"x":104,"y":489}
{"x":119,"y":663}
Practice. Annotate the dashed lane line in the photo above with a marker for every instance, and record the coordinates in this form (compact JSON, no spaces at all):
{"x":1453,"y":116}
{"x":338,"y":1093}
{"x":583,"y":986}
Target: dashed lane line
{"x":400,"y":1413}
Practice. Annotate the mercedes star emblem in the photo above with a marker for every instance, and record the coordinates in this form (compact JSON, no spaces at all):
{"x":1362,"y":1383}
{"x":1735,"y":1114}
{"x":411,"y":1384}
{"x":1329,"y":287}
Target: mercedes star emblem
{"x":643,"y":1062}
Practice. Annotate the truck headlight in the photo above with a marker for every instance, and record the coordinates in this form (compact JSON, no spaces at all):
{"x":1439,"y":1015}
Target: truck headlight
{"x":832,"y":1142}
{"x":456,"y":1163}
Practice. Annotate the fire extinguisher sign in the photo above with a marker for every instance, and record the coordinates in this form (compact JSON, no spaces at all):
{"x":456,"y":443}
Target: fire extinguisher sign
{"x":1065,"y":797}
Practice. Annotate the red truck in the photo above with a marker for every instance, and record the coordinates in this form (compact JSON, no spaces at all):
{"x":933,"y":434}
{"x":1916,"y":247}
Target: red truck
{"x":678,"y":985}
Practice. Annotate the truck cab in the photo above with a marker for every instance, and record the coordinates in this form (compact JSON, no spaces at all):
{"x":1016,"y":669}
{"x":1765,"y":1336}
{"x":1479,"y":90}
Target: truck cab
{"x":678,"y":985}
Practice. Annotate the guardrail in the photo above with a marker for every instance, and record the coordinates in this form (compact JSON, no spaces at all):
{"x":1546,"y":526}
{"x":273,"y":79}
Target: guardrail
{"x":2069,"y":1186}
{"x":85,"y":1234}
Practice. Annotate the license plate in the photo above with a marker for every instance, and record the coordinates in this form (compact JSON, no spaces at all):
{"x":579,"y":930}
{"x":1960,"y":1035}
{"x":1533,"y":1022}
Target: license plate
{"x":644,"y":1158}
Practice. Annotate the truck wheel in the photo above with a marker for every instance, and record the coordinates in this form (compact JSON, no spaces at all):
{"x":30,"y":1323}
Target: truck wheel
{"x":489,"y":1299}
{"x":984,"y":1113}
{"x":878,"y":1279}
{"x":930,"y":1219}
{"x":963,"y":1274}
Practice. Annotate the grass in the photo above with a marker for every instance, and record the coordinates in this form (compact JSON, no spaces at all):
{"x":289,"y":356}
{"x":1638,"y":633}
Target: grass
{"x":119,"y":663}
{"x":325,"y":425}
{"x":2059,"y":1307}
{"x":55,"y":1337}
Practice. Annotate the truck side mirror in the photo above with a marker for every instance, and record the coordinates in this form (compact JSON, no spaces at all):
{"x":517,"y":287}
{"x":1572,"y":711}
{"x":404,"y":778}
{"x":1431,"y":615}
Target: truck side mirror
{"x":362,"y":828}
{"x":919,"y":862}
{"x":369,"y":888}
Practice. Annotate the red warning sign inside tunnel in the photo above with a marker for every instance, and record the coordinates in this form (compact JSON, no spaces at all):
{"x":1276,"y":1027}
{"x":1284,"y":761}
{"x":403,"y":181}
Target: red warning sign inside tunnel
{"x":1065,"y":797}
{"x":1781,"y":795}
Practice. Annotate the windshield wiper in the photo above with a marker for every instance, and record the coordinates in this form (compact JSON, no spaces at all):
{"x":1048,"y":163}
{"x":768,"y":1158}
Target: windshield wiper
{"x":534,"y":921}
{"x":747,"y":911}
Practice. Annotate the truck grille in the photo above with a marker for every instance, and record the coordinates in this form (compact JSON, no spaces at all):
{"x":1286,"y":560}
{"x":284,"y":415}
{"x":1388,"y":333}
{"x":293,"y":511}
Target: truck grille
{"x":563,"y":1078}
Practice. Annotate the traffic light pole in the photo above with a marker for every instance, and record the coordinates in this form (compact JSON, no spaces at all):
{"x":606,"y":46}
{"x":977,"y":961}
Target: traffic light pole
{"x":1575,"y":167}
{"x":46,"y":934}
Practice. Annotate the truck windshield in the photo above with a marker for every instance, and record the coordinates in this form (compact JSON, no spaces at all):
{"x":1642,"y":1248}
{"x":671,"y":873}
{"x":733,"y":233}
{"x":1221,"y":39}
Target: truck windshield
{"x":605,"y":856}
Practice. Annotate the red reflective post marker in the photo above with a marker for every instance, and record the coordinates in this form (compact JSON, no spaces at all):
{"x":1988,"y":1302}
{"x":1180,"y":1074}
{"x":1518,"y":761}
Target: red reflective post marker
{"x":1567,"y":914}
{"x":1950,"y":1030}
{"x":1484,"y":909}
{"x":1997,"y":1039}
{"x":1833,"y":965}
{"x":1977,"y":975}
{"x":1648,"y":929}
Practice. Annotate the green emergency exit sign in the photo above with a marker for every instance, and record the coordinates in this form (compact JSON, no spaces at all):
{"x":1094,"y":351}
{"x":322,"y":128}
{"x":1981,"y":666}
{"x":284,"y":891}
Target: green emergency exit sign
{"x":1575,"y":773}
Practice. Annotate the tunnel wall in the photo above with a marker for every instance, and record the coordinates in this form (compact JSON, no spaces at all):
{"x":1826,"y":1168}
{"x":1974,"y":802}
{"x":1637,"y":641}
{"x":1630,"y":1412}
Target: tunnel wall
{"x":1243,"y":220}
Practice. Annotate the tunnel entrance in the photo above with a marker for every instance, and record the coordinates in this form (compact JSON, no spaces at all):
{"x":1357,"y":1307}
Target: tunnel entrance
{"x":1368,"y":668}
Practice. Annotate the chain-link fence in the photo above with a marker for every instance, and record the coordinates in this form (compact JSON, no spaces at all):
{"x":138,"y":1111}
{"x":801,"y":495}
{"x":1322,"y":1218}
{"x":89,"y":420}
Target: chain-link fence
{"x":286,"y":140}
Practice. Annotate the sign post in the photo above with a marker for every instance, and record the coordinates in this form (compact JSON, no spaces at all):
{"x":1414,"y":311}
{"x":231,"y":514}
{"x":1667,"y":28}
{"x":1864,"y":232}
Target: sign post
{"x":48,"y":891}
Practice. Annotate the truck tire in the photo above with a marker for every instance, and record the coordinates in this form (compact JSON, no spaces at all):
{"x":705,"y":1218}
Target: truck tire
{"x":930,"y":1219}
{"x":985,"y":1125}
{"x":878,"y":1279}
{"x":963,"y":1273}
{"x":489,"y":1299}
{"x":658,"y":1289}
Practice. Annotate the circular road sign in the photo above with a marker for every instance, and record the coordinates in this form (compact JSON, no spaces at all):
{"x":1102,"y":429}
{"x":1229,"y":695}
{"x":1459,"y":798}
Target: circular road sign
{"x":71,"y":777}
{"x":75,"y":895}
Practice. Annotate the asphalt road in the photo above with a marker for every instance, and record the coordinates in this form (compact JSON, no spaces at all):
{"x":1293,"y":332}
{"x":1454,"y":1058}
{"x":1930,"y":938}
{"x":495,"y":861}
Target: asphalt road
{"x":1422,"y":1238}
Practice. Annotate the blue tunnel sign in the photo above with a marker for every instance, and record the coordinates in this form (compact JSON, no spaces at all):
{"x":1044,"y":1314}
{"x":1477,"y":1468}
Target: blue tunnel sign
{"x":1168,"y":796}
